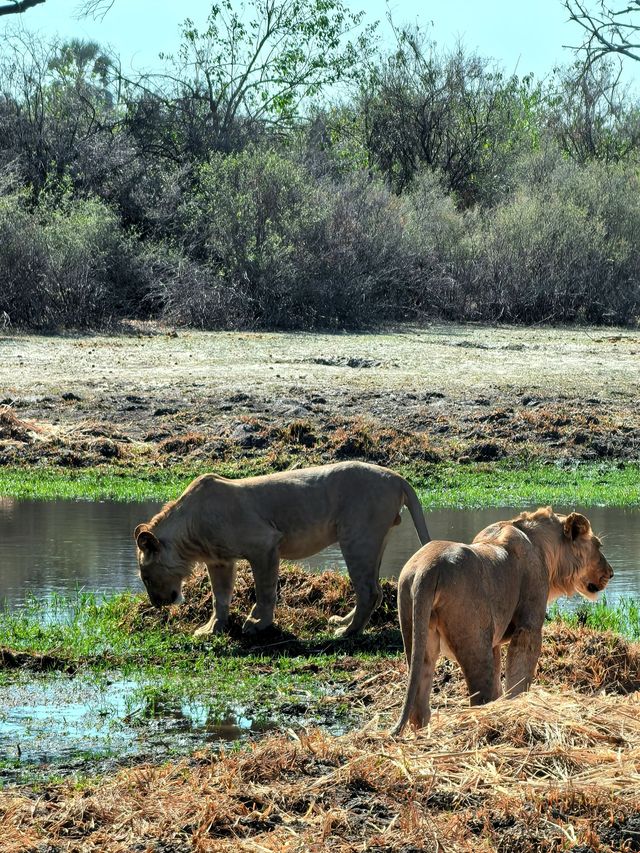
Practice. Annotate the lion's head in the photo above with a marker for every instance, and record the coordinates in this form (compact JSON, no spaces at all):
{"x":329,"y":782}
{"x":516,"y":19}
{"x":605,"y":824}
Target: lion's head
{"x":573,"y":552}
{"x":593,"y":571}
{"x":162,"y":568}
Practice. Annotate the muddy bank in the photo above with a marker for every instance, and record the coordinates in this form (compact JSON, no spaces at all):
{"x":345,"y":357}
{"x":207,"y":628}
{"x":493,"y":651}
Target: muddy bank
{"x":391,"y":434}
{"x":549,"y":771}
{"x":469,"y":394}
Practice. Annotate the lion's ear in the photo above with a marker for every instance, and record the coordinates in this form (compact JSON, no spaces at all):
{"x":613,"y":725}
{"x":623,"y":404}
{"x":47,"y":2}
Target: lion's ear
{"x":576,"y":525}
{"x":139,"y":530}
{"x":146,"y":540}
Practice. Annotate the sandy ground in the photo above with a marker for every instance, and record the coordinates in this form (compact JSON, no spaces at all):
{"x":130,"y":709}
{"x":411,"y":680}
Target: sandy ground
{"x":543,"y":392}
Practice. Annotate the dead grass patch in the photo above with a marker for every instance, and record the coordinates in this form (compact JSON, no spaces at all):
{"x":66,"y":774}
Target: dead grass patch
{"x":14,"y":429}
{"x":180,"y":445}
{"x":548,"y":771}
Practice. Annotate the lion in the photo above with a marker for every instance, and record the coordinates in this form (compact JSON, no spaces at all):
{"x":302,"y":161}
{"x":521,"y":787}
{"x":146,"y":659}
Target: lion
{"x":291,"y":514}
{"x":467,"y":600}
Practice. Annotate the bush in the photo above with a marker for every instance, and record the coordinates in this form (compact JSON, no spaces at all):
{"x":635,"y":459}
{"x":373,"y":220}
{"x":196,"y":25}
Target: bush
{"x":247,"y":222}
{"x":64,"y":264}
{"x":284,"y":251}
{"x":563,"y":250}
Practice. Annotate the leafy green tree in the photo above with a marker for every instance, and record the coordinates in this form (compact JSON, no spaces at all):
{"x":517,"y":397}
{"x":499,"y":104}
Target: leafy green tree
{"x":453,"y":113}
{"x":261,"y":62}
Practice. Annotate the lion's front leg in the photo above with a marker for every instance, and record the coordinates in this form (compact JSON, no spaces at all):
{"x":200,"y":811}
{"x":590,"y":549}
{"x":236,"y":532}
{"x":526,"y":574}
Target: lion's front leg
{"x":522,"y":657}
{"x":222,"y":575}
{"x":265,"y":570}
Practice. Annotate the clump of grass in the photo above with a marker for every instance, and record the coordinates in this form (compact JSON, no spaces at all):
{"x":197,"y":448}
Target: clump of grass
{"x":182,"y":444}
{"x":11,"y":427}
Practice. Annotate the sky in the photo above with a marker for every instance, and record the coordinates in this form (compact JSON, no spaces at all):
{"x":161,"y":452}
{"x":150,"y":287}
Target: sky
{"x":522,"y":36}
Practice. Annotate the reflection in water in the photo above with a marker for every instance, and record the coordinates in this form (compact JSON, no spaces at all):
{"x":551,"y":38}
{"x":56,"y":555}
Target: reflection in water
{"x":49,"y":547}
{"x":66,"y":719}
{"x":58,"y":547}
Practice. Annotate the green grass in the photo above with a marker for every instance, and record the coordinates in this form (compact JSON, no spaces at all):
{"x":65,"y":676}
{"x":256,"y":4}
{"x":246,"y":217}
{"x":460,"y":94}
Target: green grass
{"x":90,"y":629}
{"x":622,"y":618}
{"x":440,"y":485}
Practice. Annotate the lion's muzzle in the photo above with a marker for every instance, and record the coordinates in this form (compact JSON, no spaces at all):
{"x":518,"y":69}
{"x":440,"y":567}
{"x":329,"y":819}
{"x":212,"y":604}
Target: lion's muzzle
{"x":604,"y":579}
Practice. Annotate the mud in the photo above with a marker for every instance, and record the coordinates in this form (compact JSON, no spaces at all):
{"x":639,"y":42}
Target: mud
{"x":467,"y":394}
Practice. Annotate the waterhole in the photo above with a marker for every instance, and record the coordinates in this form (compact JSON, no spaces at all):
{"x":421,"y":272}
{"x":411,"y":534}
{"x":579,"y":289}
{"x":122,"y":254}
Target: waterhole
{"x":50,"y":548}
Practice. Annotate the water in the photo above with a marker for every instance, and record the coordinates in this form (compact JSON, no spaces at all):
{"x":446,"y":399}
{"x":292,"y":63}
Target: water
{"x":52,"y":548}
{"x":87,"y":721}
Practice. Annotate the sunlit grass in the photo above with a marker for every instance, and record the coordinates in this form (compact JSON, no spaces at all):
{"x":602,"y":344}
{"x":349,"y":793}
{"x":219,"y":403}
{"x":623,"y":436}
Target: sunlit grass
{"x":438,"y":485}
{"x":621,"y":618}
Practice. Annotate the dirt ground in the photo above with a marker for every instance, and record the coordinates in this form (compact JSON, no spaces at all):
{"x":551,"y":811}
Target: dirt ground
{"x":153,"y":395}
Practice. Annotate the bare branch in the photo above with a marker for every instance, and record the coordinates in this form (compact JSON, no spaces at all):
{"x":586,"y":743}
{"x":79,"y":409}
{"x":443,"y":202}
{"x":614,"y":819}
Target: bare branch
{"x":17,"y":7}
{"x":607,"y":30}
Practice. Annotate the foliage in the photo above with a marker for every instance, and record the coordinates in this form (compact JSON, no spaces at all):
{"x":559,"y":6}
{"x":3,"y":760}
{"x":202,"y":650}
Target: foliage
{"x":452,"y":113}
{"x":563,"y":250}
{"x":226,"y":192}
{"x":64,"y":263}
{"x":258,"y":62}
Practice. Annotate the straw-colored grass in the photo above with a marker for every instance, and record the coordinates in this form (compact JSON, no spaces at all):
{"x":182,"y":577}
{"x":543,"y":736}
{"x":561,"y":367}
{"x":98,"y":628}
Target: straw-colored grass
{"x":548,"y":771}
{"x":555,"y":769}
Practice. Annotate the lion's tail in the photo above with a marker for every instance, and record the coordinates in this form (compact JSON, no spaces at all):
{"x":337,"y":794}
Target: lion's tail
{"x":421,"y":593}
{"x":415,"y":508}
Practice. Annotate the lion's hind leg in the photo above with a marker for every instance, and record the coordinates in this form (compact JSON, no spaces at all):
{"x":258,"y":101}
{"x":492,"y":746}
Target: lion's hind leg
{"x":265,"y":568}
{"x":474,"y":652}
{"x":522,"y":658}
{"x":497,"y":672}
{"x":363,"y":560}
{"x":420,"y":713}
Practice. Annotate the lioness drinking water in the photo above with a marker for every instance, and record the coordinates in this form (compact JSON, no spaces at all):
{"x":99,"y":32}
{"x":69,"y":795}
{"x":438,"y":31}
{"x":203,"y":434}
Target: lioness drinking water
{"x":291,"y":514}
{"x":466,"y":600}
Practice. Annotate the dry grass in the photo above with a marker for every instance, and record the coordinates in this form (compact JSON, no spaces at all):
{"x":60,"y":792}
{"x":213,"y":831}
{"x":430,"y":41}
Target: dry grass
{"x":545,"y":772}
{"x":556,"y":769}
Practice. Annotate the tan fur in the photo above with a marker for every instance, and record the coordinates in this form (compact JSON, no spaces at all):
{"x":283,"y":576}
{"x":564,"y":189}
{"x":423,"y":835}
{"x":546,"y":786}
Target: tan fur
{"x":291,"y":514}
{"x":466,"y":600}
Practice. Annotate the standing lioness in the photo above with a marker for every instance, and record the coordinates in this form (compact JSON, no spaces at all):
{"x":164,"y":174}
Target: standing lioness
{"x":466,"y":600}
{"x":292,"y":514}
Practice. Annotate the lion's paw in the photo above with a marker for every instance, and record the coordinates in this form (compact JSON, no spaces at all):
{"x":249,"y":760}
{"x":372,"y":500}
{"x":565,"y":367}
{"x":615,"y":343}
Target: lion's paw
{"x":213,"y":626}
{"x":344,"y":631}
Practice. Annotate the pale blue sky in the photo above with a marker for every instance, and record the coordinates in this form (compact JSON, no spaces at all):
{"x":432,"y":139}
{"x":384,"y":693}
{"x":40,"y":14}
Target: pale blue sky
{"x":521,"y":35}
